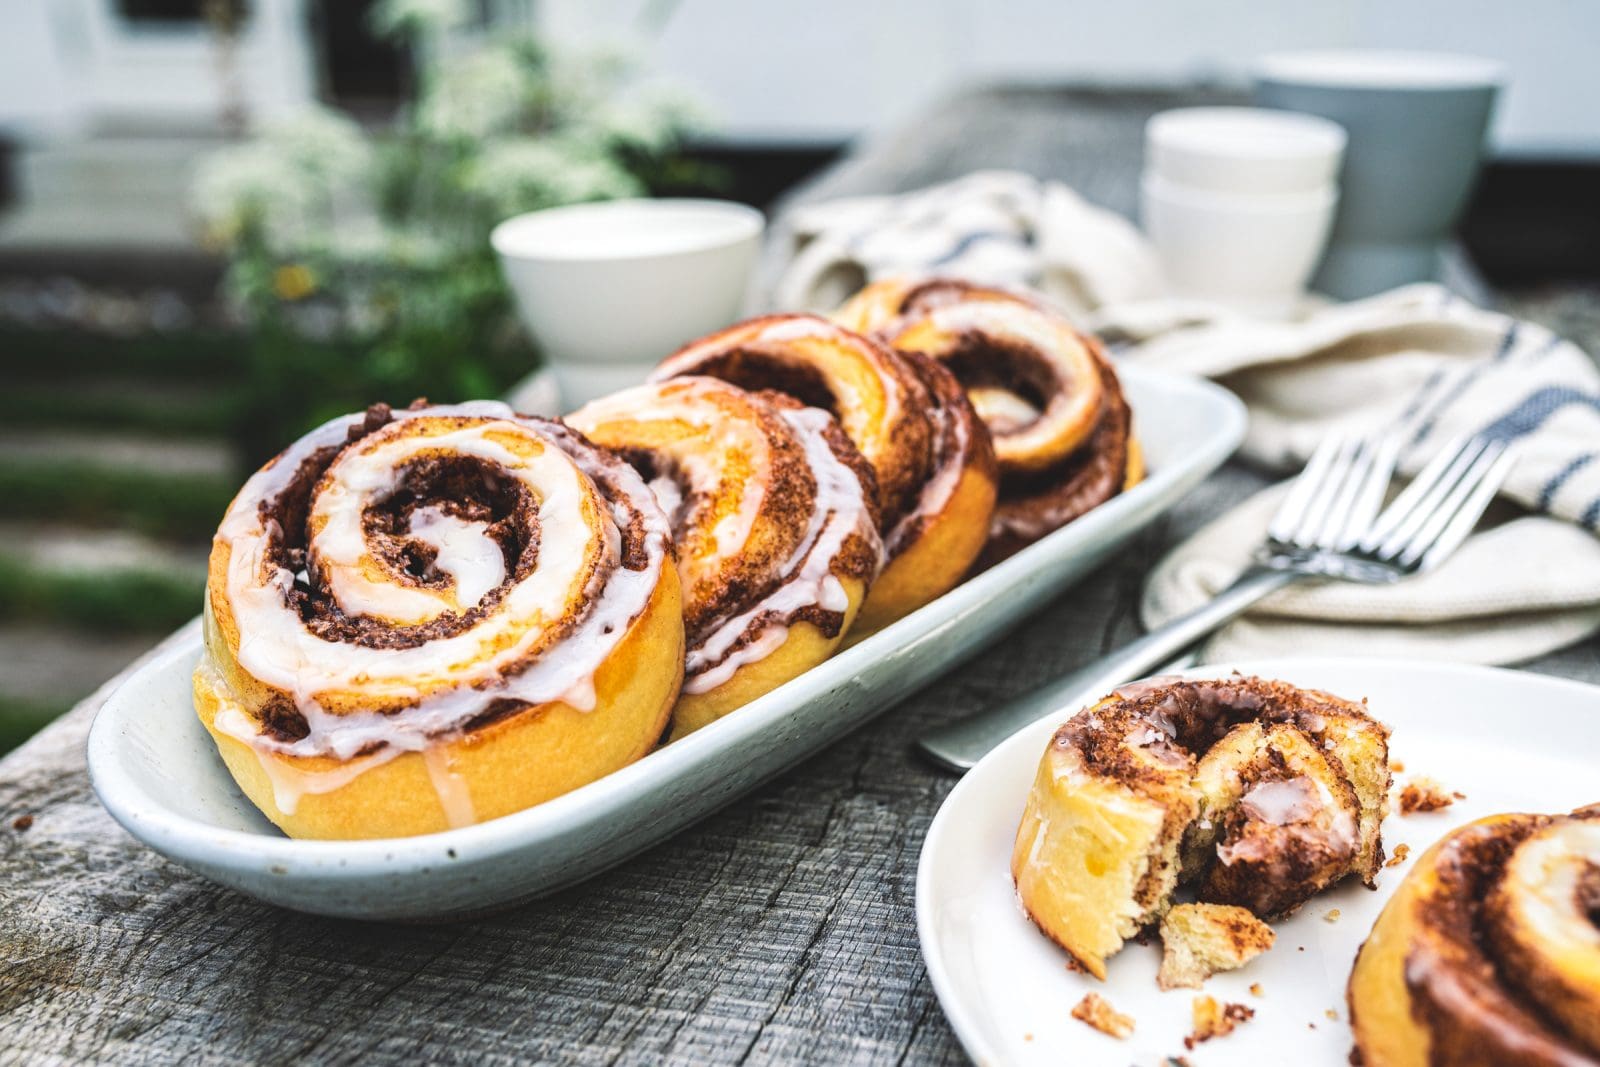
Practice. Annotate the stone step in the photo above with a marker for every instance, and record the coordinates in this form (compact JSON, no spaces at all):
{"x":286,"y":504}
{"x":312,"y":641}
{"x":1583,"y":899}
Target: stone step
{"x":211,"y":458}
{"x":47,"y":546}
{"x":136,"y":190}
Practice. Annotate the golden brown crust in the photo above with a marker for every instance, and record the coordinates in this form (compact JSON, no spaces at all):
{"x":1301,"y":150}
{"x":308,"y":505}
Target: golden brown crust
{"x":1032,"y":506}
{"x":1213,"y":1018}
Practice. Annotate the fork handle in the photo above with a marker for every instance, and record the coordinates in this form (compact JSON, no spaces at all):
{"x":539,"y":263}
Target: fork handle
{"x":957,"y":746}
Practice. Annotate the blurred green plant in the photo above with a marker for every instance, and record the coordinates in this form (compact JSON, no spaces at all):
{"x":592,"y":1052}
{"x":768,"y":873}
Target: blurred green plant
{"x":361,"y":259}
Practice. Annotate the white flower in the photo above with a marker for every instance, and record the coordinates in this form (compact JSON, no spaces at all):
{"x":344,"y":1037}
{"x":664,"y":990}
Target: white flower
{"x":476,"y":96}
{"x":521,"y":174}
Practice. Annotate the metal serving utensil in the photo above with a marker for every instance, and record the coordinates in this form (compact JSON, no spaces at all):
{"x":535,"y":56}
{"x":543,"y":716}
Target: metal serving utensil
{"x":1329,"y":527}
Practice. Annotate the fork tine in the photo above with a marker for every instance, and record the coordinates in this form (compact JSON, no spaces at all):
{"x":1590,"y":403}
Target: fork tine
{"x":1331,"y":529}
{"x":1293,"y":509}
{"x":1369,"y":497}
{"x":1326,"y":495}
{"x":1405,"y":504}
{"x":1444,"y":533}
{"x":1427,"y":509}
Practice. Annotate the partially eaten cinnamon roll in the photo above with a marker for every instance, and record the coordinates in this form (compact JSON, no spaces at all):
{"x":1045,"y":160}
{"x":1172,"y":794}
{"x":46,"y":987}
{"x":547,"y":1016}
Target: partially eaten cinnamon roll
{"x":1258,"y":793}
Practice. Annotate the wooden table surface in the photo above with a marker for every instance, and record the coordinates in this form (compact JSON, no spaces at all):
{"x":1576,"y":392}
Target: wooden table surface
{"x":780,"y":930}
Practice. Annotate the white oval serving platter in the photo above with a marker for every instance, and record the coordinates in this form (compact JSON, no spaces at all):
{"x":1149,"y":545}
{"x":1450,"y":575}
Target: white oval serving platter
{"x":157,"y":772}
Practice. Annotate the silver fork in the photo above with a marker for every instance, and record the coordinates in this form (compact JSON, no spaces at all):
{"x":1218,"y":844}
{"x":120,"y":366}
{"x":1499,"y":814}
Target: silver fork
{"x":1329,"y":527}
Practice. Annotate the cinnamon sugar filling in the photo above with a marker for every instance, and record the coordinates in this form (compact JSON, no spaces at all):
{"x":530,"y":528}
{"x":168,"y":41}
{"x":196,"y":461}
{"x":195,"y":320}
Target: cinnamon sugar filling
{"x":1033,"y":504}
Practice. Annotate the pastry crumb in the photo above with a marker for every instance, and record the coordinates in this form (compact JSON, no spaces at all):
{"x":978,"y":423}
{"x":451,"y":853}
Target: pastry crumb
{"x":1255,"y":989}
{"x":1097,"y":1012}
{"x":1332,"y":916}
{"x":21,"y":822}
{"x":1199,"y":940}
{"x":1401,"y":851}
{"x":1332,"y":1014}
{"x":1215,"y":1019}
{"x":1397,"y":767}
{"x":1423,"y":794}
{"x":1027,"y":1037}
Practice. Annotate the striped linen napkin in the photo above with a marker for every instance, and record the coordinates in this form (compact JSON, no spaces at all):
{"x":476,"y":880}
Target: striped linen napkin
{"x":1418,"y":360}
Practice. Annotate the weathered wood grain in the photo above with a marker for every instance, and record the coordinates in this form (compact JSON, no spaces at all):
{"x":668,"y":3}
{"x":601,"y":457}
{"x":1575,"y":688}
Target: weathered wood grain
{"x":780,"y":930}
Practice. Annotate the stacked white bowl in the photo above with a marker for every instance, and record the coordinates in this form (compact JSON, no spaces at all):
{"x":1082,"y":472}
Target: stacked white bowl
{"x":1238,"y":202}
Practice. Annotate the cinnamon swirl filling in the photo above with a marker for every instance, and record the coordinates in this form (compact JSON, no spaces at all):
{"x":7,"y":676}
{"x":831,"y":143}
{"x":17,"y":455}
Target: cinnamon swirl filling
{"x":1047,"y":394}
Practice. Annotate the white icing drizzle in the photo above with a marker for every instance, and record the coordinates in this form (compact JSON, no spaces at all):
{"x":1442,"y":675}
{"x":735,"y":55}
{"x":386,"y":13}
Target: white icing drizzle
{"x":473,"y":560}
{"x":807,"y":577}
{"x":290,"y":785}
{"x":938,"y":489}
{"x":1282,"y":802}
{"x":447,"y":682}
{"x":449,"y":787}
{"x":1002,"y":410}
{"x":798,"y":327}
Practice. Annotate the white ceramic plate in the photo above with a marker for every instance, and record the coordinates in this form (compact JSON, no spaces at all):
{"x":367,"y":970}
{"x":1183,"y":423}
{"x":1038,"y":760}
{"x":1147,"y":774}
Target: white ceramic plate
{"x":157,"y":772}
{"x":1509,"y":741}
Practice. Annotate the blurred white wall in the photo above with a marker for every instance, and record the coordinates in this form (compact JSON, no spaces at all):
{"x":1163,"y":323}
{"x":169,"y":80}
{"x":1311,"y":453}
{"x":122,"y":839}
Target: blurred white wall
{"x":71,"y":66}
{"x":780,"y":70}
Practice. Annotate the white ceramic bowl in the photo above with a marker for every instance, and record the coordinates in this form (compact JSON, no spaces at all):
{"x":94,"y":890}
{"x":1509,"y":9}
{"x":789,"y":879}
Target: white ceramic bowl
{"x":1244,"y":149}
{"x":1253,"y":253}
{"x":608,"y":289}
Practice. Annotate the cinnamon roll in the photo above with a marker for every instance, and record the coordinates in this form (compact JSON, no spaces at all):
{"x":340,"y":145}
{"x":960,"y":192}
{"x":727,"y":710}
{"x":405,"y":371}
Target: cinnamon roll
{"x":1488,"y":953}
{"x":1052,"y":402}
{"x":1258,"y":793}
{"x":912,"y":423}
{"x":427,"y":618}
{"x":775,"y":523}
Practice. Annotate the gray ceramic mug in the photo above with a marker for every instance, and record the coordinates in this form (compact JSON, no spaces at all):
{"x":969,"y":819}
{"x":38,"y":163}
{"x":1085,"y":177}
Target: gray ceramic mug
{"x":1416,"y":124}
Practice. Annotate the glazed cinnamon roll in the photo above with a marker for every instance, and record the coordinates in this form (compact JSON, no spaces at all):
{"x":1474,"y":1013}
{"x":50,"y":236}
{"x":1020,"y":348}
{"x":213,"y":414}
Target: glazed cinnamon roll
{"x":1488,"y":954}
{"x":1052,"y":402}
{"x":910,"y":420}
{"x":1258,"y":793}
{"x":775,"y":522}
{"x":427,"y":618}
